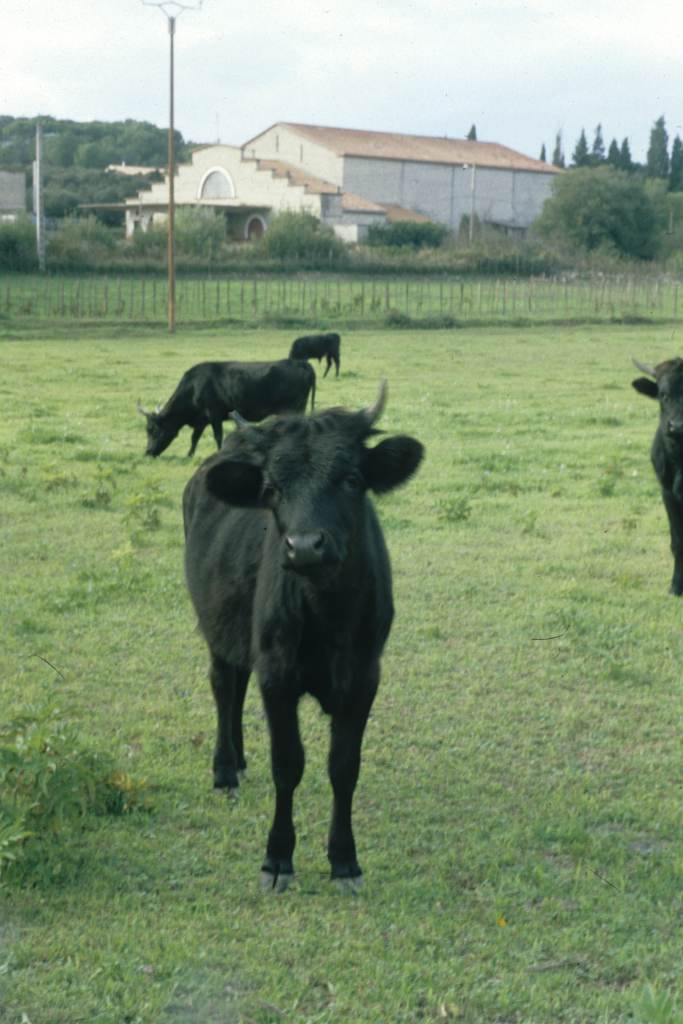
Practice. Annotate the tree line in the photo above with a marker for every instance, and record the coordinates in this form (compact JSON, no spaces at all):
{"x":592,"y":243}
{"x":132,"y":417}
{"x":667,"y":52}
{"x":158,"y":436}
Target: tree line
{"x":660,"y":162}
{"x":76,"y":155}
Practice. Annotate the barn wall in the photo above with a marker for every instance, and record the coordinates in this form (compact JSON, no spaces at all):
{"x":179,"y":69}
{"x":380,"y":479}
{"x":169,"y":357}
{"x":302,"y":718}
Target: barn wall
{"x":443,"y":191}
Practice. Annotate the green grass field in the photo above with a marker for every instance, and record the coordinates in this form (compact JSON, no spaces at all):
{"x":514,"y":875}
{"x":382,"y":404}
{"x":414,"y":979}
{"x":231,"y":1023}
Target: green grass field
{"x":518,"y":815}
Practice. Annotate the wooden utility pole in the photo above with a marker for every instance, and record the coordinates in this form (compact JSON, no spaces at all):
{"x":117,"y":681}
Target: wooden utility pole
{"x":171,"y":191}
{"x":177,"y":8}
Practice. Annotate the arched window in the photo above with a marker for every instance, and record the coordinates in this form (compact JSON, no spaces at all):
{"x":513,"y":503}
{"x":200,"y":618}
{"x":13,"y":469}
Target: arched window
{"x":216,"y":184}
{"x":254,"y":228}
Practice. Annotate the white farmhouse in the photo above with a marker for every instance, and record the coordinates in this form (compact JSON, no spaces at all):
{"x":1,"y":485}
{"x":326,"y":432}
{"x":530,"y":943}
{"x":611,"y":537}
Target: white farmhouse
{"x":351,"y":179}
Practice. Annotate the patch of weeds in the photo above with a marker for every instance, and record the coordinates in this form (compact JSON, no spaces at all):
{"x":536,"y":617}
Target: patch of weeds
{"x":394,"y":318}
{"x":143,"y":512}
{"x":50,"y":786}
{"x":103,"y":494}
{"x":609,"y":478}
{"x":454,"y":510}
{"x":530,"y":522}
{"x":53,"y":478}
{"x":629,"y":522}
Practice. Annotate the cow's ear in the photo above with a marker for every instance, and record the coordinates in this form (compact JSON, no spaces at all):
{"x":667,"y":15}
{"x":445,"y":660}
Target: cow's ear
{"x":391,"y":462}
{"x":237,"y":483}
{"x":646,"y":386}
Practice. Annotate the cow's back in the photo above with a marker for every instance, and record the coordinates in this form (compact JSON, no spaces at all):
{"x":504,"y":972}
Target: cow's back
{"x":257,"y":390}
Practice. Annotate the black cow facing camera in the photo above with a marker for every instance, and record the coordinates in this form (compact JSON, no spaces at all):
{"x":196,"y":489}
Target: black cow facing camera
{"x":289,"y":574}
{"x":665,"y":383}
{"x":318,"y":346}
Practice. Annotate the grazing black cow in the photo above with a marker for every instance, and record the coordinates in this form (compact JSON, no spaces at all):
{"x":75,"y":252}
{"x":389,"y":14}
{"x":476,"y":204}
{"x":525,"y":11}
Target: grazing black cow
{"x":288,"y":572}
{"x":315,"y":346}
{"x":667,"y":449}
{"x":209,"y":392}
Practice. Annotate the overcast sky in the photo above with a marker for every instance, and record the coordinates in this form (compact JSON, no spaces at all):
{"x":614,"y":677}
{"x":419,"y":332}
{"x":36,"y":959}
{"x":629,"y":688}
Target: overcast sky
{"x":519,"y":70}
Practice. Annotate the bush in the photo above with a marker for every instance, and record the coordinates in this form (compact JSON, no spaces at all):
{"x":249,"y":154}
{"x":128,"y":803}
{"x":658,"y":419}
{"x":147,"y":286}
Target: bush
{"x":18,"y":245}
{"x":602,"y":208}
{"x":79,"y":242}
{"x":411,"y":234}
{"x":49,"y":784}
{"x":301,"y":237}
{"x":199,"y":232}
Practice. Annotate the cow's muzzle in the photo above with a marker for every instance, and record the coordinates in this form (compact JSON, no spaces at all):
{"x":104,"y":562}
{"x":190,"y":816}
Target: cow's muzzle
{"x":305,"y":552}
{"x":674,"y":428}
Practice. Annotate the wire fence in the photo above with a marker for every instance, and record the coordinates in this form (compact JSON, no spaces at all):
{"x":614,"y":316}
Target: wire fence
{"x":327,"y":299}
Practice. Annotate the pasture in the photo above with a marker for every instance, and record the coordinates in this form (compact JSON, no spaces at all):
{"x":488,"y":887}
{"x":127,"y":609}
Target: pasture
{"x":518,"y":814}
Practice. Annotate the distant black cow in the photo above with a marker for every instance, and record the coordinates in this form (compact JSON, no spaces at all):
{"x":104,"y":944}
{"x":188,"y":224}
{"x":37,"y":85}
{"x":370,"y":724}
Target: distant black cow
{"x":667,"y":449}
{"x":209,"y":392}
{"x":315,"y":346}
{"x":288,"y":572}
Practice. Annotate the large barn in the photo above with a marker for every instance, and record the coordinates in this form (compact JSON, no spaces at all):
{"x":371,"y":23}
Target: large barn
{"x":351,"y":179}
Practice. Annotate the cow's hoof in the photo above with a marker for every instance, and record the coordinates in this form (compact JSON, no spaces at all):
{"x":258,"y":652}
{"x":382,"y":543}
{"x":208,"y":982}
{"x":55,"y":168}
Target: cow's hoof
{"x":350,"y":885}
{"x":225,"y":778}
{"x":276,"y":875}
{"x":346,"y":874}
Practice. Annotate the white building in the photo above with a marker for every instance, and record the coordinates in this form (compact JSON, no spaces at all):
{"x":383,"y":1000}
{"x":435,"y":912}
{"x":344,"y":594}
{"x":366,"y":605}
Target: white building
{"x":351,"y":179}
{"x":12,"y":194}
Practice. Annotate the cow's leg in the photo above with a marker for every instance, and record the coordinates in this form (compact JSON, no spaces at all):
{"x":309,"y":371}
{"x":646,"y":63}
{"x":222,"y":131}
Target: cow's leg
{"x":196,"y":434}
{"x":337,"y":361}
{"x":347,"y":730}
{"x":327,"y":367}
{"x":229,"y":685}
{"x":287,"y":763}
{"x":217,"y":427}
{"x":674,"y":511}
{"x":240,"y":692}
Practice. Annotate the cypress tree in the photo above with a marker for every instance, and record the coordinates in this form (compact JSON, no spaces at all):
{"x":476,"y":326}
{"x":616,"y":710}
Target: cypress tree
{"x":598,"y":150}
{"x":657,"y":153}
{"x":558,"y":155}
{"x":676,"y":170}
{"x":472,"y":133}
{"x":542,"y":156}
{"x":613,"y":154}
{"x":580,"y":157}
{"x":625,"y":161}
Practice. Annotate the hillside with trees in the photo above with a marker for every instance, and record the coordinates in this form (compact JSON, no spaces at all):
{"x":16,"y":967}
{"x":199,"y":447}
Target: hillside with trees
{"x":75,"y":155}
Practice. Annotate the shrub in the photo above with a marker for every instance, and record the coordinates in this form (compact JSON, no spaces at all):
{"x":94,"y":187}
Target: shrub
{"x":411,"y":234}
{"x":49,"y":784}
{"x":300,"y":237}
{"x":598,"y":208}
{"x":78,"y":242}
{"x":199,"y":232}
{"x":18,"y":245}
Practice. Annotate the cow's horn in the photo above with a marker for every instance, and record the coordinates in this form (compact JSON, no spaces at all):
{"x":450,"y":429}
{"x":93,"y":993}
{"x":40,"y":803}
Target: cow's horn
{"x":373,"y":412}
{"x":645,"y":369}
{"x":239,"y":420}
{"x":143,"y":412}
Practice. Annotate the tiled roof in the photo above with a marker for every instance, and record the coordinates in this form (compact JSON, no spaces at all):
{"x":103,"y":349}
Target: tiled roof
{"x":356,"y":204}
{"x":422,"y":148}
{"x":395,"y":213}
